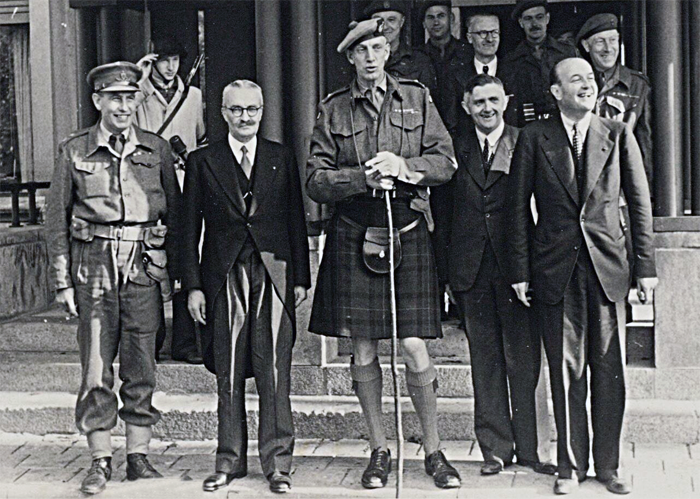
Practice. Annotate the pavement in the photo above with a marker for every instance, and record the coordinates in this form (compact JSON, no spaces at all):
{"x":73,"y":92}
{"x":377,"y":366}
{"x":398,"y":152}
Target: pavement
{"x":52,"y":466}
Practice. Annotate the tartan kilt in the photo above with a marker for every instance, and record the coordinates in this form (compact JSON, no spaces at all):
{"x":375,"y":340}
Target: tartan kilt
{"x":352,"y":301}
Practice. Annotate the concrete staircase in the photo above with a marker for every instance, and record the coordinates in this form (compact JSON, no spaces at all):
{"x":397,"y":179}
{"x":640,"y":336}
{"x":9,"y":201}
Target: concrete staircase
{"x":40,"y":375}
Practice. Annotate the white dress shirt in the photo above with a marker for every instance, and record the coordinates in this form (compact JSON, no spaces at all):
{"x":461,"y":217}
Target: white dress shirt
{"x":581,"y":127}
{"x":493,"y":66}
{"x":493,"y":137}
{"x":251,"y":146}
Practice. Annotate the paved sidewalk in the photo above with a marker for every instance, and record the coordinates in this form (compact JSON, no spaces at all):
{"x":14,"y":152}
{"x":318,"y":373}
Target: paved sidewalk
{"x":53,"y":467}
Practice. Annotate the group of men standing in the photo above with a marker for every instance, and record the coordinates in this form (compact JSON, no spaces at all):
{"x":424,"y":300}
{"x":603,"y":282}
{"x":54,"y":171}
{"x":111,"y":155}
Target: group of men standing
{"x":459,"y":177}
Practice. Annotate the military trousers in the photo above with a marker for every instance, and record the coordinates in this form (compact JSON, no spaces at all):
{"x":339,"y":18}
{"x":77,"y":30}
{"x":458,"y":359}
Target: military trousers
{"x":119,"y":312}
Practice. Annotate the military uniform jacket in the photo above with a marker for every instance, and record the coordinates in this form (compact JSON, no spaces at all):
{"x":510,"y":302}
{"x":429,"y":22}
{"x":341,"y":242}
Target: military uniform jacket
{"x":527,"y":79}
{"x":412,"y":64}
{"x":627,"y":98}
{"x":91,"y":183}
{"x":347,"y":134}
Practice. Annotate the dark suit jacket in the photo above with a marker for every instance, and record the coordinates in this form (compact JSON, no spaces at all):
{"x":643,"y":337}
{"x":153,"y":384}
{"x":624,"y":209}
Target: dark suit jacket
{"x":479,"y":208}
{"x":543,"y":165}
{"x":276,"y":220}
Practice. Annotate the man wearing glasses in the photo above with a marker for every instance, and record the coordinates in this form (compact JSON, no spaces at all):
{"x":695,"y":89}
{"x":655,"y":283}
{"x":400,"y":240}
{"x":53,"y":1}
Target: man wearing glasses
{"x":253,"y":273}
{"x":529,"y":65}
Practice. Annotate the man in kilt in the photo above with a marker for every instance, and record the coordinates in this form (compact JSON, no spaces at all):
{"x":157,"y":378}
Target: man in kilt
{"x":381,"y":136}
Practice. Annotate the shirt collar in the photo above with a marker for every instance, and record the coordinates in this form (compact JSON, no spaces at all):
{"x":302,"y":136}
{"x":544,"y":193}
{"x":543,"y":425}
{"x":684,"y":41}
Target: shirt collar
{"x":382,"y":85}
{"x":493,"y":137}
{"x":493,"y":66}
{"x":251,"y":146}
{"x":581,"y":126}
{"x":103,"y":136}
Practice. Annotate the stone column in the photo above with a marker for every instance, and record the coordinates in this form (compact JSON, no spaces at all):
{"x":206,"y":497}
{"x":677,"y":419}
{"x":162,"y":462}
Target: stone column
{"x":694,"y":69}
{"x":268,"y":63}
{"x":665,"y":59}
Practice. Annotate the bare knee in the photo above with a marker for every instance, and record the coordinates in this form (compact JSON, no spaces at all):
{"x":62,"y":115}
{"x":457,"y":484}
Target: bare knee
{"x":415,"y":354}
{"x":364,"y":351}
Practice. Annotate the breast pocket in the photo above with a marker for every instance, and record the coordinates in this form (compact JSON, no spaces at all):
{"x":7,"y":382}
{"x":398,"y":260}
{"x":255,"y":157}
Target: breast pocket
{"x":94,"y":177}
{"x":351,"y":140}
{"x":409,"y":131}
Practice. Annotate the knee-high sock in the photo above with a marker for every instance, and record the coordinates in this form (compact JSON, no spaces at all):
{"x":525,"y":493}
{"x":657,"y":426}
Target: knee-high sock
{"x":421,"y":388}
{"x":367,"y":383}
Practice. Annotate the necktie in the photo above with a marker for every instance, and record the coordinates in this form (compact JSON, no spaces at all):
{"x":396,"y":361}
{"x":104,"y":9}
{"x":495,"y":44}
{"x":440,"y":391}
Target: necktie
{"x":245,"y":162}
{"x":486,"y":70}
{"x":576,"y":143}
{"x":486,"y":153}
{"x":117,"y":142}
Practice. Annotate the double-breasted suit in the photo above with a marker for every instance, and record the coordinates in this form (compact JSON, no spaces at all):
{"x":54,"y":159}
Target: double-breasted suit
{"x":578,"y":267}
{"x":504,"y":351}
{"x":255,"y":252}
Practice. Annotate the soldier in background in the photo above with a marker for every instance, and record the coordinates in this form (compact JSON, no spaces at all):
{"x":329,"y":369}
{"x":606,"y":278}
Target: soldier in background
{"x":528,"y":66}
{"x":404,"y":62}
{"x":163,"y":94}
{"x":623,"y":93}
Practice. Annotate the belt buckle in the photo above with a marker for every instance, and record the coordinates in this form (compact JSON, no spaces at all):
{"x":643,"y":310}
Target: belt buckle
{"x":118,"y":232}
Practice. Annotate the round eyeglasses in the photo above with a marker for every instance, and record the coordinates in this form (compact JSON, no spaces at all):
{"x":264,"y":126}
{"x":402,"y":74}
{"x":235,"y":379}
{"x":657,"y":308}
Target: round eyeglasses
{"x":238,"y":110}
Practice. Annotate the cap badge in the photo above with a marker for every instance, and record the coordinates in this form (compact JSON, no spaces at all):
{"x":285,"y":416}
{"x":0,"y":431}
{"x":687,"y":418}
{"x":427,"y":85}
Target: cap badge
{"x":122,"y":76}
{"x":387,"y":5}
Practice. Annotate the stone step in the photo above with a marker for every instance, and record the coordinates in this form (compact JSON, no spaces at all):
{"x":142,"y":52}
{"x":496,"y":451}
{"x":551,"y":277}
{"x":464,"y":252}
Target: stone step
{"x":60,"y":372}
{"x":193,"y":417}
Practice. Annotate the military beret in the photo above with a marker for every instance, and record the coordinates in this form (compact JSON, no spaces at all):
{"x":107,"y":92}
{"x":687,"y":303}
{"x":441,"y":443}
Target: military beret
{"x":359,"y":32}
{"x":522,"y":5}
{"x":167,"y":45}
{"x":121,"y":76}
{"x":596,"y":24}
{"x":433,"y":3}
{"x":384,"y":5}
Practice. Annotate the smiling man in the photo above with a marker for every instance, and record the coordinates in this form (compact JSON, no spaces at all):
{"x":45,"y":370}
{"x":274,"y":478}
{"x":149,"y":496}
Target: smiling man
{"x":528,"y":66}
{"x":575,"y":164}
{"x":504,"y":350}
{"x":381,"y":136}
{"x":623,"y":93}
{"x":113,"y":186}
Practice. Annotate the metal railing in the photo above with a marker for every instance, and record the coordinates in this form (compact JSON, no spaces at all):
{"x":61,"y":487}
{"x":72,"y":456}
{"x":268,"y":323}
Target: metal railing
{"x":15,"y":189}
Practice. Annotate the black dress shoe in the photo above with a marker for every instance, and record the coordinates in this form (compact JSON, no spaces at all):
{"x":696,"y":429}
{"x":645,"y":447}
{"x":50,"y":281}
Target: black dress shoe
{"x":189,"y":357}
{"x":280,"y":482}
{"x":444,"y":474}
{"x":491,"y":467}
{"x":97,"y":477}
{"x":220,"y":479}
{"x":137,"y":466}
{"x":544,"y":468}
{"x":377,"y":472}
{"x":615,"y":484}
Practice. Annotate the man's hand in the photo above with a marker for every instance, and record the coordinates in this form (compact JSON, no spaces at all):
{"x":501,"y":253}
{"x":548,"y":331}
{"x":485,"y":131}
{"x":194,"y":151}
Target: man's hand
{"x":66,"y":298}
{"x":374,"y":180}
{"x":146,"y":64}
{"x":645,"y":288}
{"x":521,"y":289}
{"x":197,"y":305}
{"x":386,"y":163}
{"x":299,"y":295}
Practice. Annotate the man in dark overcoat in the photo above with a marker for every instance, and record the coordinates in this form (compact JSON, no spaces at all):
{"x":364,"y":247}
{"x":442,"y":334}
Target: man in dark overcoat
{"x":381,"y":136}
{"x":576,"y":164}
{"x":253,"y":272}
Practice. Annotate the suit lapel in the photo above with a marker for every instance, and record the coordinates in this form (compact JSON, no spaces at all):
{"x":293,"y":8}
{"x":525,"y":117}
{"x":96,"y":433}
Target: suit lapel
{"x":558,"y":152}
{"x":471,"y":157}
{"x":598,"y":150}
{"x":500,"y":165}
{"x":266,"y":165}
{"x":222,"y":164}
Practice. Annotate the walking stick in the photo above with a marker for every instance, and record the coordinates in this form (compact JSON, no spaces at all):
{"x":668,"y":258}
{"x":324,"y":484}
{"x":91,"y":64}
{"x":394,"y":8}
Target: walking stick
{"x":395,"y":351}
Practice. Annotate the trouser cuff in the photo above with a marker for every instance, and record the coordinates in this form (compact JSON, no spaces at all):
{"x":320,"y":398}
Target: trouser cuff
{"x":100,"y":444}
{"x":137,"y":439}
